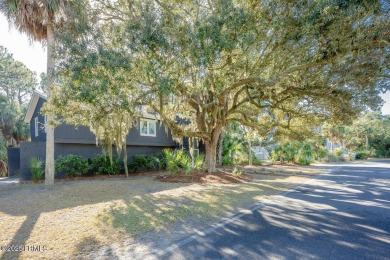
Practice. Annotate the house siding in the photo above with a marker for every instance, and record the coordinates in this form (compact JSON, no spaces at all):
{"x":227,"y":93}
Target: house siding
{"x":13,"y":161}
{"x":65,"y":133}
{"x":41,"y":123}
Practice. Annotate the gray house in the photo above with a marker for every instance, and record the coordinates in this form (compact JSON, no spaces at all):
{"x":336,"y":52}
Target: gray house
{"x":149,"y":137}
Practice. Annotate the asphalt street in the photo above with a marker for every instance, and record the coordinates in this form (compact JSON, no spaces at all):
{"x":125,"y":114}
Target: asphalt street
{"x":341,"y":215}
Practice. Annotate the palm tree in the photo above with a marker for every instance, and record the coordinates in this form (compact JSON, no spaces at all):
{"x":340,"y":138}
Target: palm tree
{"x":37,"y":19}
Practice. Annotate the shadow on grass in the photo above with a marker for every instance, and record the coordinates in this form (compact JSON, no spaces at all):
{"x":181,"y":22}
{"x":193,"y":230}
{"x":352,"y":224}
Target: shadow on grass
{"x":157,"y":212}
{"x":32,"y":201}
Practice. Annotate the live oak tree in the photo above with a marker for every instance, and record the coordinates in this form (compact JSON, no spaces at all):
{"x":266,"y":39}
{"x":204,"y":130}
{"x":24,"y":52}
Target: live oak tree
{"x":38,"y":19}
{"x":278,"y":67}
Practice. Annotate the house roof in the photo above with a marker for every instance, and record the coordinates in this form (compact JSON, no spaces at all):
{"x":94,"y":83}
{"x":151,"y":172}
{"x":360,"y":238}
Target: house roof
{"x":36,"y":95}
{"x":32,"y":105}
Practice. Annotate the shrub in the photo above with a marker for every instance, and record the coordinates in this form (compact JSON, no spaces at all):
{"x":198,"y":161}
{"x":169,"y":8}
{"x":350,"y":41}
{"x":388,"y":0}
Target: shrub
{"x":101,"y":164}
{"x":170,"y":159}
{"x":275,"y":156}
{"x":256,"y":161}
{"x":37,"y":167}
{"x":322,"y":153}
{"x":334,"y":158}
{"x":361,"y":156}
{"x":72,"y":165}
{"x":227,"y":161}
{"x":198,"y":162}
{"x":159,"y":160}
{"x":237,"y":172}
{"x":3,"y":158}
{"x":305,"y":161}
{"x":142,"y":162}
{"x":179,"y":160}
{"x":338,"y":152}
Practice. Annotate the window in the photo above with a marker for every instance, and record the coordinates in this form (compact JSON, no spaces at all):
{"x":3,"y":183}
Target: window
{"x":196,"y":146}
{"x":45,"y":124}
{"x":148,"y":127}
{"x":36,"y":126}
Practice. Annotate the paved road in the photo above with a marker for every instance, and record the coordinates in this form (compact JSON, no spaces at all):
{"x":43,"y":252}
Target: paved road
{"x":341,"y":215}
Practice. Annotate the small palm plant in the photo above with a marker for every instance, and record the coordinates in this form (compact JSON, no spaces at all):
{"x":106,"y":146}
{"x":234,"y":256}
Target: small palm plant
{"x":37,"y":167}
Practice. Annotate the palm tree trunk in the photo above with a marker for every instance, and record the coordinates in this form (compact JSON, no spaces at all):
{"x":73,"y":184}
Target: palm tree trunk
{"x":49,"y":165}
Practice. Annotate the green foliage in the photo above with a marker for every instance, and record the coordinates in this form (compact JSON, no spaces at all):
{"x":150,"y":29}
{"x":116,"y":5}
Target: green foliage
{"x":361,"y":156}
{"x":237,"y":172}
{"x":3,"y":149}
{"x":37,"y":168}
{"x":198,"y":162}
{"x":274,"y":66}
{"x":3,"y":157}
{"x":334,"y":158}
{"x":143,"y":162}
{"x":171,"y":162}
{"x":101,"y":164}
{"x":17,"y":83}
{"x":256,"y":161}
{"x":234,"y":150}
{"x":275,"y":155}
{"x":72,"y":165}
{"x":180,"y":161}
{"x":296,"y":152}
{"x":321,"y":152}
{"x":338,"y":152}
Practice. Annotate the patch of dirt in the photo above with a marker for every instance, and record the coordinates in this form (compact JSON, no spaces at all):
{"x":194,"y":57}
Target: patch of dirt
{"x":219,"y":177}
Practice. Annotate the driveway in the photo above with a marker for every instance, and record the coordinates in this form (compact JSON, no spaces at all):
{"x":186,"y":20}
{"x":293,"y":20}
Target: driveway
{"x":7,"y":181}
{"x":341,"y":215}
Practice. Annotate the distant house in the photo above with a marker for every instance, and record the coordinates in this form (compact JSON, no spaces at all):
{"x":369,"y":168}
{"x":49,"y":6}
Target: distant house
{"x":149,"y":137}
{"x":260,"y":152}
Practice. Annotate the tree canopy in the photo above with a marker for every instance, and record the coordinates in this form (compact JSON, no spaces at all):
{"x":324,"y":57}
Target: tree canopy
{"x":278,"y":67}
{"x":17,"y":83}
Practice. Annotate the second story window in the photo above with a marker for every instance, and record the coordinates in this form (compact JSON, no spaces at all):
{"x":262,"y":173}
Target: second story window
{"x":46,"y":124}
{"x":36,"y":125}
{"x":148,"y":127}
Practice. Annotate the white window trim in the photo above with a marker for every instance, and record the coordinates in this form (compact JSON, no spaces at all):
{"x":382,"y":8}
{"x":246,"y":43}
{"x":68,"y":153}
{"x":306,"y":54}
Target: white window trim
{"x":148,"y":123}
{"x":36,"y":125}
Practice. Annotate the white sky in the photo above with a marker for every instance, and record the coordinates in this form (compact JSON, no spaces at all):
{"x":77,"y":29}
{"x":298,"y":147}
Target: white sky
{"x":33,"y":55}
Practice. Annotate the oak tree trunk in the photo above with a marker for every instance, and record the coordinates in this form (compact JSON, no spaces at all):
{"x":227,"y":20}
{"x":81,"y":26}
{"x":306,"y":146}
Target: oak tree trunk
{"x":49,"y":163}
{"x":219,"y":149}
{"x":211,"y":149}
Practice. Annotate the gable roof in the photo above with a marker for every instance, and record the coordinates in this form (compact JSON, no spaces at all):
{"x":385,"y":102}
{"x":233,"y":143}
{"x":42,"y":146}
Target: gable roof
{"x":32,"y":105}
{"x":37,"y":95}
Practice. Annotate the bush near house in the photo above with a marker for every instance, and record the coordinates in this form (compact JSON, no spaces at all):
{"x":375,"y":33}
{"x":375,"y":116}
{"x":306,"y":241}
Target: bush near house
{"x":37,"y":167}
{"x":101,"y":164}
{"x":180,"y":161}
{"x":143,"y":162}
{"x":72,"y":165}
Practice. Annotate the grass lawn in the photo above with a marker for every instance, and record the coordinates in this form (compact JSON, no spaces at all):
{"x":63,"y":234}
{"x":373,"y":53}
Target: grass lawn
{"x":73,"y":219}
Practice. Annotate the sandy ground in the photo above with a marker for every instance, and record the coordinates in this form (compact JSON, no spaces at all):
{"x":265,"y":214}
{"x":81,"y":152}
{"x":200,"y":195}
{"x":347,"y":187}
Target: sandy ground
{"x":121,"y":218}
